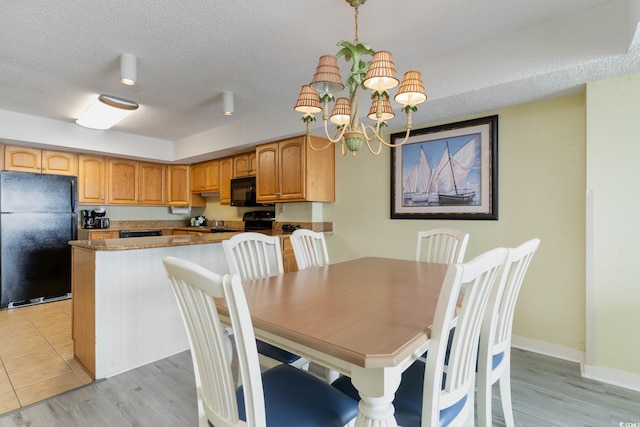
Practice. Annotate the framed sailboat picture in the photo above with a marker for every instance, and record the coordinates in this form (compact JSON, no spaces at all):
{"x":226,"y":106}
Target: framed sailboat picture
{"x":446,"y":172}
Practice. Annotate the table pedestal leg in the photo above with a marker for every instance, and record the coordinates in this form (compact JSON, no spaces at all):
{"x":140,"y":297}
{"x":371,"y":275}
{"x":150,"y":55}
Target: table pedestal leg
{"x":375,"y":412}
{"x":377,"y":389}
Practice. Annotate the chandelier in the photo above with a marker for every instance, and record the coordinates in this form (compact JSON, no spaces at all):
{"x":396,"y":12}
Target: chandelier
{"x":377,"y":75}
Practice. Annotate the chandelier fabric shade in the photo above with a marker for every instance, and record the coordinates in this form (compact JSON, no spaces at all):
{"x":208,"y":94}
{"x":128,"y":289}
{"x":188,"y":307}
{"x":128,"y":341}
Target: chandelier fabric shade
{"x":308,"y":102}
{"x":327,"y":77}
{"x":411,"y":91}
{"x":341,"y":112}
{"x":382,"y":72}
{"x":386,"y":112}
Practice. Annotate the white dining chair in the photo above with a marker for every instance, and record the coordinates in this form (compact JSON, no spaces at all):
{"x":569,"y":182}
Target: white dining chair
{"x":281,"y":396}
{"x":429,"y":395}
{"x":309,"y":248}
{"x":494,"y":359}
{"x":443,"y":245}
{"x":255,"y":256}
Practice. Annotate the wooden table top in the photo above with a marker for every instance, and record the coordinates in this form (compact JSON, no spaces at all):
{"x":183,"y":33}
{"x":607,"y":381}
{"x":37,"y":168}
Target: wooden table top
{"x":370,"y":312}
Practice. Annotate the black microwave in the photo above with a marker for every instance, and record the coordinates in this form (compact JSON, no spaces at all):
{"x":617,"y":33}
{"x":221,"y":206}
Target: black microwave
{"x":243,"y":191}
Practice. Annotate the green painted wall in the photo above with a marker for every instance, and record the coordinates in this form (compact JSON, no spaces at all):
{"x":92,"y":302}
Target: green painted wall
{"x":541,"y":194}
{"x":613,"y":147}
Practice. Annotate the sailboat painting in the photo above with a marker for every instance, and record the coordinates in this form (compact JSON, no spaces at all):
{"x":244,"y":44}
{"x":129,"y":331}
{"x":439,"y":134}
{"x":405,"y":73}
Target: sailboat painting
{"x":447,"y":172}
{"x":448,"y":175}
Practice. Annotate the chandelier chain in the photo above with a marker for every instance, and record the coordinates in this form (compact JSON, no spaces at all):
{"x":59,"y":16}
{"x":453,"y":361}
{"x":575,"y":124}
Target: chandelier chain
{"x":356,"y":41}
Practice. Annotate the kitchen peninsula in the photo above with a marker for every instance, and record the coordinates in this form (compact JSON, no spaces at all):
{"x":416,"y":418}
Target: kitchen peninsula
{"x":124,"y":311}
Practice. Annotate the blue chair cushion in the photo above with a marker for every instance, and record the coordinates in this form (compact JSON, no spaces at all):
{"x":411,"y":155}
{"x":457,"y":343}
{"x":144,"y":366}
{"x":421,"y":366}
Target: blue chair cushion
{"x":276,"y":353}
{"x":497,"y":358}
{"x":408,"y":400}
{"x":296,"y":398}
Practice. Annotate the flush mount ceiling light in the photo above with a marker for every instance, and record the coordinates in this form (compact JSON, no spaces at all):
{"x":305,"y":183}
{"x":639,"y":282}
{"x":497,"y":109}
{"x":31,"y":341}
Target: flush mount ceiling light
{"x":106,"y":111}
{"x":378,"y":74}
{"x":227,"y":103}
{"x":128,"y":69}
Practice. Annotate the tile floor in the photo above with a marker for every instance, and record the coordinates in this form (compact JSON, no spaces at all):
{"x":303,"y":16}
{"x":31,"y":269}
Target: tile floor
{"x":36,"y":354}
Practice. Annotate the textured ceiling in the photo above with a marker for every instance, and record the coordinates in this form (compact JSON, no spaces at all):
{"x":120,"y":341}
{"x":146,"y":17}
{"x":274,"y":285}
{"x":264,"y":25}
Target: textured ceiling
{"x":474,"y":55}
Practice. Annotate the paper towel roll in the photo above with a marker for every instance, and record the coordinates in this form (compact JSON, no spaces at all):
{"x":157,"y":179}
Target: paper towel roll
{"x":181,"y":210}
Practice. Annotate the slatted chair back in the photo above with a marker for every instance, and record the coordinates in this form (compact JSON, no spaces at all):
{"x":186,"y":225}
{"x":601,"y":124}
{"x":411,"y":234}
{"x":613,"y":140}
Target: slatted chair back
{"x":194,"y":288}
{"x":309,"y":248}
{"x":253,"y":255}
{"x":494,"y":360}
{"x":443,"y":245}
{"x":256,"y":256}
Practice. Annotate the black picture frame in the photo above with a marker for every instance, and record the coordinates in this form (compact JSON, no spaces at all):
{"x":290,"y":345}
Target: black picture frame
{"x":448,"y":171}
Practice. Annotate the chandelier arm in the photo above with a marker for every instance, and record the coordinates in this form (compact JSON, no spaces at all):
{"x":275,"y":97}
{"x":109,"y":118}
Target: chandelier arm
{"x":368,"y":139}
{"x":308,"y":138}
{"x":326,"y":132}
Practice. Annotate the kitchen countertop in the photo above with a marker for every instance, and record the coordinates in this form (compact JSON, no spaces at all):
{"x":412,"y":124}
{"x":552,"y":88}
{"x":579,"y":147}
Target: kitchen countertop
{"x":151,"y":242}
{"x":205,"y":237}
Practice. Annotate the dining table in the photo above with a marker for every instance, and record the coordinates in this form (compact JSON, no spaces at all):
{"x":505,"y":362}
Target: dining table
{"x":367,"y":318}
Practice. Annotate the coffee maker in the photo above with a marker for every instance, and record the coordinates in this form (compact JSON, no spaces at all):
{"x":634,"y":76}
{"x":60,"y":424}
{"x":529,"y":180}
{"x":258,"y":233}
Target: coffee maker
{"x":94,"y":219}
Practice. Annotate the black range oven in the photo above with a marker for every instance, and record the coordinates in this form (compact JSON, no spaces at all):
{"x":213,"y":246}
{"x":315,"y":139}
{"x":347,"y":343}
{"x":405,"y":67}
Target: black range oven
{"x":258,"y":220}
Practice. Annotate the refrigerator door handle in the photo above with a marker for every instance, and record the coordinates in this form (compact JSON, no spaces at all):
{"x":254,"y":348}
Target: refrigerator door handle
{"x":74,"y":205}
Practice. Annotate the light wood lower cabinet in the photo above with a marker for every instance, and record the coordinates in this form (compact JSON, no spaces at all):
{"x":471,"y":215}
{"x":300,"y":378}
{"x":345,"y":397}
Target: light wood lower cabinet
{"x":288,"y":257}
{"x":101,"y":235}
{"x":83,"y":324}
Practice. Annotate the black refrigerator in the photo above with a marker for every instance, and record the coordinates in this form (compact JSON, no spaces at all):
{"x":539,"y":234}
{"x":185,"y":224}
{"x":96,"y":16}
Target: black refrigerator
{"x":38,"y":217}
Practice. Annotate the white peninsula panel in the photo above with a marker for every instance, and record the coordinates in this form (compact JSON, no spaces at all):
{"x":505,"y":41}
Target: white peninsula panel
{"x":124,"y":311}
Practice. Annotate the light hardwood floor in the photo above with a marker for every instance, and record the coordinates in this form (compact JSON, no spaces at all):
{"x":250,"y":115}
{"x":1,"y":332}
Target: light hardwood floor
{"x":36,"y":354}
{"x":546,"y":392}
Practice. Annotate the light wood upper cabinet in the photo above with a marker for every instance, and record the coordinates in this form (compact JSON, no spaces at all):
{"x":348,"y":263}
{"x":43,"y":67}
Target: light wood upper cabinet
{"x":205,"y":176}
{"x":123,"y":181}
{"x":26,"y":159}
{"x":268,"y":176}
{"x":226,"y":173}
{"x":91,"y":179}
{"x":153,"y":179}
{"x":136,"y":183}
{"x":287,"y":171}
{"x":178,"y":187}
{"x":244,"y":165}
{"x":197,"y":177}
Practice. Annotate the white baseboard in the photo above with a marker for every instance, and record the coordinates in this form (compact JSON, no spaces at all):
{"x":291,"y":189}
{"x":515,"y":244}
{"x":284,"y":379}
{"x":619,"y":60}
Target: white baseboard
{"x":605,"y":375}
{"x":612,"y":376}
{"x":553,"y":350}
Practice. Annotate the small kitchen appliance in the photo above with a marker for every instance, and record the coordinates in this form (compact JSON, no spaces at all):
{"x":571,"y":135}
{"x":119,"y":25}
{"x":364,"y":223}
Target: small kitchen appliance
{"x":92,"y":219}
